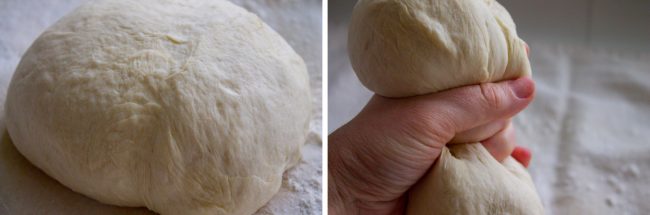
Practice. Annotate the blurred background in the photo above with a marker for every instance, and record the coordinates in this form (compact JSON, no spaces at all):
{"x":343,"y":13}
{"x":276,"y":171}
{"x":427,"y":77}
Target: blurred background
{"x":589,"y":125}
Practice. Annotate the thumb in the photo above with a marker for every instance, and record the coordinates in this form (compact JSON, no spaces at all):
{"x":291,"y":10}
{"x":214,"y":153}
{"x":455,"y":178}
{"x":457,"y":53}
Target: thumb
{"x":463,"y":108}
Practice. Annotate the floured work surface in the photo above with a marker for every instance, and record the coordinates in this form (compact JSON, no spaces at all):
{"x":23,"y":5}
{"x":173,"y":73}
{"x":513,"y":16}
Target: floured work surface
{"x":588,"y":130}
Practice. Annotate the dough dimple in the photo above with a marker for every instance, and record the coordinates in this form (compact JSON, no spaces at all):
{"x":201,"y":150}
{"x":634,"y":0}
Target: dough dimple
{"x":185,"y":107}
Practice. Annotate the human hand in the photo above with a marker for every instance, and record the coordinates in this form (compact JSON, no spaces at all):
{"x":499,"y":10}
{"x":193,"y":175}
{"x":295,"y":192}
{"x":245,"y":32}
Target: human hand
{"x":376,"y":157}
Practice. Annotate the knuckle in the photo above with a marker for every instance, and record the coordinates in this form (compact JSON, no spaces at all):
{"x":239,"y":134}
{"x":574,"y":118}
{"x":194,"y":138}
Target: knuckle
{"x":492,"y":96}
{"x":434,"y":124}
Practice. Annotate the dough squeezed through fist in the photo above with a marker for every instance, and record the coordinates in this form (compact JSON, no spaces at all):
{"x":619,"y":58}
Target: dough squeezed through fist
{"x":185,"y":107}
{"x":466,"y":179}
{"x":404,"y":48}
{"x":401,"y":48}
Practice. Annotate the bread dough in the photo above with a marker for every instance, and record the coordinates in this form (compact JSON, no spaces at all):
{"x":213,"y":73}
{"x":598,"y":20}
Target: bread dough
{"x":466,"y":179}
{"x":401,"y":48}
{"x":411,"y":47}
{"x":185,"y":107}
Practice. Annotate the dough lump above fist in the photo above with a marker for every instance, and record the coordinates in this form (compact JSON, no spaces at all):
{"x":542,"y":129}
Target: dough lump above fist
{"x":401,"y":48}
{"x":185,"y":107}
{"x":411,"y":47}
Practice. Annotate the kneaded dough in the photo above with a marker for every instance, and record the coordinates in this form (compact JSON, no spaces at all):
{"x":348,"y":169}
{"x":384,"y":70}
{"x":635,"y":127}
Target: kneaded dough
{"x":182,"y":106}
{"x":411,"y":47}
{"x":466,"y":179}
{"x":401,"y":48}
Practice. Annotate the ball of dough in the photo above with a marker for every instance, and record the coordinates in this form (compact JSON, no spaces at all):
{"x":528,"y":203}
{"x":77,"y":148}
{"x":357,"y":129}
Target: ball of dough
{"x":185,"y":107}
{"x":411,"y":47}
{"x":466,"y":179}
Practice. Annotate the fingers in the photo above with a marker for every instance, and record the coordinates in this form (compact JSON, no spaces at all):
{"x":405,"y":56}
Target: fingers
{"x":467,"y":107}
{"x":481,"y":132}
{"x":499,"y":139}
{"x":430,"y":121}
{"x":502,"y":144}
{"x":522,"y":155}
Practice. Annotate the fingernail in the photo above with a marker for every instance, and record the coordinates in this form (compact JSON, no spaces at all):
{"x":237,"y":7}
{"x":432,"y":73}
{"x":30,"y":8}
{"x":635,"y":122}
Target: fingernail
{"x":522,"y":87}
{"x":523,"y":155}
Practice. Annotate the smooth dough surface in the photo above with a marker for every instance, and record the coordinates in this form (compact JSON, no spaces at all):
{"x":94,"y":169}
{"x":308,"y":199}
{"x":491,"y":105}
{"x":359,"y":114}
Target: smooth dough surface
{"x":185,"y":107}
{"x":466,"y":179}
{"x":401,"y":48}
{"x":411,"y":47}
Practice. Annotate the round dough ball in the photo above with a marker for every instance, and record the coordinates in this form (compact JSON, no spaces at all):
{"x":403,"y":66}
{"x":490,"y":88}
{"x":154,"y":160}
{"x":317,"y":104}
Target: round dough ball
{"x":412,"y":47}
{"x":466,"y":179}
{"x":185,"y":107}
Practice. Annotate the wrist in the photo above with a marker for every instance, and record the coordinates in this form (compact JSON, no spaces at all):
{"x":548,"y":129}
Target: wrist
{"x":338,"y":204}
{"x":340,"y":201}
